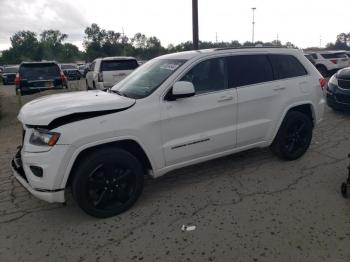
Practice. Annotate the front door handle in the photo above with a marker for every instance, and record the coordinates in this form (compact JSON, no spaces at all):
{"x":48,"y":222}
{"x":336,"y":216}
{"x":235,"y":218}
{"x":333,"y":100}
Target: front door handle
{"x":225,"y":98}
{"x":276,"y":88}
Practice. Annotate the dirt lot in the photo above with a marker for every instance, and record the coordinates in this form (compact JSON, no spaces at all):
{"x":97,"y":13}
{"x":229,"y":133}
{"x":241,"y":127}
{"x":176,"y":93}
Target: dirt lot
{"x":246,"y":207}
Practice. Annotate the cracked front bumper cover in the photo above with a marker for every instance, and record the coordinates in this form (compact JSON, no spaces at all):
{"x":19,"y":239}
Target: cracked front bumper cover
{"x":52,"y":196}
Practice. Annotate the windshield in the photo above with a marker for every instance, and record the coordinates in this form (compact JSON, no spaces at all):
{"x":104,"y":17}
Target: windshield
{"x":10,"y":70}
{"x":145,"y":80}
{"x":68,"y":67}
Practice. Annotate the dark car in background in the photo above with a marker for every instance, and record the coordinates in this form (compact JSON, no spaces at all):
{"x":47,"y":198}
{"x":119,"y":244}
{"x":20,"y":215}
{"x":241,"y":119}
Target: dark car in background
{"x":9,"y":74}
{"x":33,"y":77}
{"x":338,"y":90}
{"x":71,"y":71}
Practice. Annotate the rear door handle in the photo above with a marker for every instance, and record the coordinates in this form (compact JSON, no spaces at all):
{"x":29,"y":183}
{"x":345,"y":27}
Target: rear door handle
{"x":225,"y":98}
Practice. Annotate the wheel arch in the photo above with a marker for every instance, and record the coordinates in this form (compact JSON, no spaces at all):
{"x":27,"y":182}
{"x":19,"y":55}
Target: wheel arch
{"x":128,"y":144}
{"x":304,"y":107}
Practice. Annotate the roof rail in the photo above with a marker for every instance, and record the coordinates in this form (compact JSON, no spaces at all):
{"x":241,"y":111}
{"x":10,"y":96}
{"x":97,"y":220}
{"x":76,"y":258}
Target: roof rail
{"x":248,"y":47}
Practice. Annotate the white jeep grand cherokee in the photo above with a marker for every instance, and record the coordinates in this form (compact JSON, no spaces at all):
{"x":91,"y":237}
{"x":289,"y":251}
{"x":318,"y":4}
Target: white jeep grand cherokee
{"x":176,"y":110}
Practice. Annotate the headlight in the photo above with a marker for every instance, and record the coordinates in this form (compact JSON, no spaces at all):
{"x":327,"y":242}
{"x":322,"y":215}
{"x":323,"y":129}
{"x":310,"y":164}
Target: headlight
{"x":333,"y":80}
{"x":42,"y":137}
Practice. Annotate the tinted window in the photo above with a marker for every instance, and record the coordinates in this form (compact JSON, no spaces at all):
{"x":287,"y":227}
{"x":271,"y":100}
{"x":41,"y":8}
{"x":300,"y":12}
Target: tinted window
{"x":249,"y":69}
{"x":334,"y":55}
{"x":208,"y":76}
{"x":114,"y":65}
{"x":39,"y":71}
{"x":286,"y":66}
{"x":10,"y":70}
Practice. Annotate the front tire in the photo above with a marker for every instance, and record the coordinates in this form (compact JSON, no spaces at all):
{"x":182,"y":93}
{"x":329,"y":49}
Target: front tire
{"x":108,"y":182}
{"x":294,"y":136}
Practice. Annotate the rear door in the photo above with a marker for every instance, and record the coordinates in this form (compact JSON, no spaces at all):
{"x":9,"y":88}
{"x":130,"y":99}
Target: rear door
{"x":115,"y":70}
{"x":258,"y":96}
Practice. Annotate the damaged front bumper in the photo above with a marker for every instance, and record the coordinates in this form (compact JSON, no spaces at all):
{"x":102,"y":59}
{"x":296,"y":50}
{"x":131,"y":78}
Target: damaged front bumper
{"x":52,"y":196}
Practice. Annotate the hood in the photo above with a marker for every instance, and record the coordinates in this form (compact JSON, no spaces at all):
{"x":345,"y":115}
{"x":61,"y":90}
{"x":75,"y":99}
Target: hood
{"x":344,"y":73}
{"x":43,"y":111}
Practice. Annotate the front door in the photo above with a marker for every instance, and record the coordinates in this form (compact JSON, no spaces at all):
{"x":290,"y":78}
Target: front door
{"x":204,"y":124}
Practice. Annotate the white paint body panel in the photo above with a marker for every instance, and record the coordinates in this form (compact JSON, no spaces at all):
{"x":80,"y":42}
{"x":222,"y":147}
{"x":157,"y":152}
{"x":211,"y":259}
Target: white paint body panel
{"x":173,"y":134}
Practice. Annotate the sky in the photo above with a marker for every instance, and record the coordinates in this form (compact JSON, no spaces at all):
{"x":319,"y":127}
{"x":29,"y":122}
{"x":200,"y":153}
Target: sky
{"x":302,"y":22}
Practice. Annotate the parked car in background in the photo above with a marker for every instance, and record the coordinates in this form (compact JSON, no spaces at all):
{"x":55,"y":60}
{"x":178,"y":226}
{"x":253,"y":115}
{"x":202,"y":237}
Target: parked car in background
{"x":9,"y":74}
{"x":338,"y":90}
{"x":105,"y":72}
{"x":174,"y":111}
{"x":310,"y":58}
{"x":329,"y":62}
{"x":33,"y":77}
{"x":81,"y":69}
{"x":71,"y":71}
{"x":1,"y":69}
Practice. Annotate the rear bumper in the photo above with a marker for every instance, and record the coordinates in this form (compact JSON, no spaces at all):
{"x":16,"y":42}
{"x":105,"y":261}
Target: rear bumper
{"x":52,"y":196}
{"x":33,"y":90}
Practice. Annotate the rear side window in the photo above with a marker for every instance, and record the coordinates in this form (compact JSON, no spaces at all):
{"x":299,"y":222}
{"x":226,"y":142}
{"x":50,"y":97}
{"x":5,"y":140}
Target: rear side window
{"x":115,"y":65}
{"x":286,"y":66}
{"x":39,"y":71}
{"x":334,"y":55}
{"x":249,"y":69}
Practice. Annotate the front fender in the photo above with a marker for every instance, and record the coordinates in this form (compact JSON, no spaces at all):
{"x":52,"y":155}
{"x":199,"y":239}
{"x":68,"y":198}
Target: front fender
{"x":80,"y":149}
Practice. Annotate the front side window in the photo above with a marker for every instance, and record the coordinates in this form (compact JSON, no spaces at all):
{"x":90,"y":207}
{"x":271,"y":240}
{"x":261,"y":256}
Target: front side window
{"x":208,"y":76}
{"x":248,"y":70}
{"x":286,"y":66}
{"x":147,"y":78}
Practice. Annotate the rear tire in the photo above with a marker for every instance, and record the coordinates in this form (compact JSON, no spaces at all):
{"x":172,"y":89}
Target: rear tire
{"x":294,"y":136}
{"x":107,"y":182}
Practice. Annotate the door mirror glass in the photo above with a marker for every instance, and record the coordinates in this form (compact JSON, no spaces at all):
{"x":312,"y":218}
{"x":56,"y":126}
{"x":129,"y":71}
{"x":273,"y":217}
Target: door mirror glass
{"x":182,"y":89}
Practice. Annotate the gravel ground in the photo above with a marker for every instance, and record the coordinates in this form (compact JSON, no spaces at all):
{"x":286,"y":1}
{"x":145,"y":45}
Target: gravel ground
{"x":246,"y":207}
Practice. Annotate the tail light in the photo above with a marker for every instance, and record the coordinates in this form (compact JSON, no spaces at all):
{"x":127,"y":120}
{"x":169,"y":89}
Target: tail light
{"x":63,"y":77}
{"x":322,"y":82}
{"x":17,"y":79}
{"x":100,"y":77}
{"x":334,"y":61}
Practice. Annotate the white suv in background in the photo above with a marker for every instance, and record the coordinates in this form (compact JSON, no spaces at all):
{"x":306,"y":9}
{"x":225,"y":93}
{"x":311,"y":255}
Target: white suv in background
{"x":174,"y":111}
{"x":328,"y":62}
{"x":106,"y":72}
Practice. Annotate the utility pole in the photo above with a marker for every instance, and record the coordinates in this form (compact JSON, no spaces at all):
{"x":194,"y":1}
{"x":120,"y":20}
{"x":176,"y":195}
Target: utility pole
{"x":195,"y":24}
{"x":216,"y":37}
{"x":320,"y":41}
{"x":253,"y":23}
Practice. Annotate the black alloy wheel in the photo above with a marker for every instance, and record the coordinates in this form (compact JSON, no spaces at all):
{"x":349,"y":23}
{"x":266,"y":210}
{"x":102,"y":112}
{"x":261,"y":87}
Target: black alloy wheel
{"x":294,"y":136}
{"x":108,"y":182}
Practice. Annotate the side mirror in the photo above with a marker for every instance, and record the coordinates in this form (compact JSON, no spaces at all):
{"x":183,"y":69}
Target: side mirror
{"x":182,"y":89}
